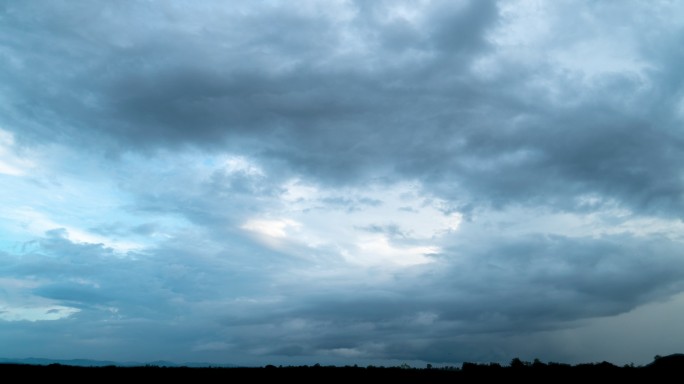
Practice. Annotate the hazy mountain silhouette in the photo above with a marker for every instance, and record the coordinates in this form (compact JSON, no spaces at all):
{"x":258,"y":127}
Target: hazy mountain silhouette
{"x":108,"y":363}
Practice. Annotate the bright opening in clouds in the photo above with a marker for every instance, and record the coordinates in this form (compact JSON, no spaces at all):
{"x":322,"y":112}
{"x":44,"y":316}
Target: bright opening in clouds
{"x":341,"y":182}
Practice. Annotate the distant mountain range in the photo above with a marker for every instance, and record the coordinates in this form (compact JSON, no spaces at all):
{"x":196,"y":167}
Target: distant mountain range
{"x":104,"y":363}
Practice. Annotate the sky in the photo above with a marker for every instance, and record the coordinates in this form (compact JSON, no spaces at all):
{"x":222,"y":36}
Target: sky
{"x":342,"y":182}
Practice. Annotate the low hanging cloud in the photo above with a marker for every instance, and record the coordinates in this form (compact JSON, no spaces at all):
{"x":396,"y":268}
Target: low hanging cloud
{"x":471,"y":296}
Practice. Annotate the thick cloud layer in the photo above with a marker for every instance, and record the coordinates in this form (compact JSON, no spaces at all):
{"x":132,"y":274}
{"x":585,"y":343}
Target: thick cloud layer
{"x":450,"y":93}
{"x":337,"y":181}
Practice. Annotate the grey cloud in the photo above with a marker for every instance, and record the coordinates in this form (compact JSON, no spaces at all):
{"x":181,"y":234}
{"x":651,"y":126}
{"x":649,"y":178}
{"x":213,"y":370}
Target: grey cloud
{"x":230,"y":184}
{"x":511,"y":287}
{"x":289,"y":350}
{"x":460,"y":28}
{"x":169,"y":297}
{"x":174,"y":84}
{"x":217,"y":203}
{"x":582,"y":276}
{"x":476,"y":295}
{"x":150,"y":90}
{"x":72,"y":293}
{"x":95,"y":339}
{"x":90,"y":276}
{"x":393,"y":230}
{"x":153,"y":96}
{"x":119,"y":229}
{"x":285,"y":99}
{"x":350,"y":204}
{"x":342,"y":102}
{"x":145,"y":229}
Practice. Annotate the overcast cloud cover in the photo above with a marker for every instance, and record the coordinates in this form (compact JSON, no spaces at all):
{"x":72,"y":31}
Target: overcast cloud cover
{"x":341,"y":182}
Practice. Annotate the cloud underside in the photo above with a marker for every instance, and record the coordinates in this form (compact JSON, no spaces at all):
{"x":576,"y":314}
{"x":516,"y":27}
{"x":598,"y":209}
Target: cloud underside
{"x":344,"y":180}
{"x":441,"y":98}
{"x":461,"y":307}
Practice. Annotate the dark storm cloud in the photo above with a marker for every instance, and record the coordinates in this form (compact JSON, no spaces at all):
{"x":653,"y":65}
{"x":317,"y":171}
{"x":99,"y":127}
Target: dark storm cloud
{"x":475,"y":298}
{"x":156,"y":84}
{"x":274,"y":84}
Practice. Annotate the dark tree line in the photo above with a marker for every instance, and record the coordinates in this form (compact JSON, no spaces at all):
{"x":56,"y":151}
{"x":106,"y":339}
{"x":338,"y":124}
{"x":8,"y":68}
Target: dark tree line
{"x":517,"y":369}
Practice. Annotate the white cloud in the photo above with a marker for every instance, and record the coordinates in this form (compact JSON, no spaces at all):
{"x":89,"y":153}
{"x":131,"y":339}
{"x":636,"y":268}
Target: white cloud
{"x":381,"y":225}
{"x":272,"y":228}
{"x":43,"y":313}
{"x":241,"y":164}
{"x":37,"y":224}
{"x":17,"y":304}
{"x":11,"y":163}
{"x":376,"y":250}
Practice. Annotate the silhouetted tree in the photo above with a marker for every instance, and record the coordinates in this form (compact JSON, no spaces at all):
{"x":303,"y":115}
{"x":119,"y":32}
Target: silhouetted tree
{"x":538,"y":364}
{"x":516,"y":363}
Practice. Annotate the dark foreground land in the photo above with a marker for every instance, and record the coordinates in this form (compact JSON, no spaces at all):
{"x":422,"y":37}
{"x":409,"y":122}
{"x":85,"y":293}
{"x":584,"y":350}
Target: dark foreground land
{"x":668,"y":367}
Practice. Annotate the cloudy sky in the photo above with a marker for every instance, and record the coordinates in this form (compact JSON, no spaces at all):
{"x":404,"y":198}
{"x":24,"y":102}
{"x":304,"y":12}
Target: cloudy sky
{"x":341,"y":182}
